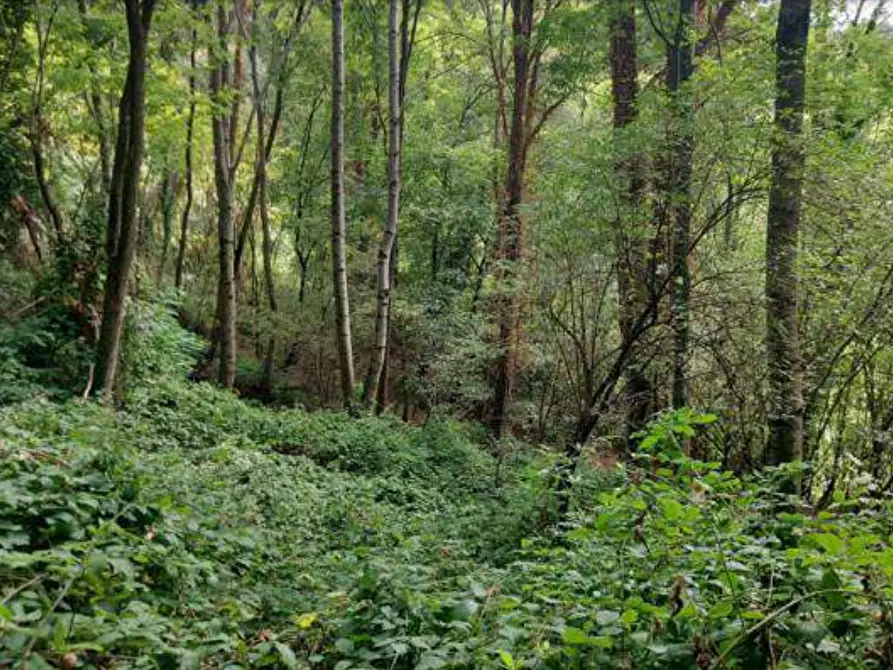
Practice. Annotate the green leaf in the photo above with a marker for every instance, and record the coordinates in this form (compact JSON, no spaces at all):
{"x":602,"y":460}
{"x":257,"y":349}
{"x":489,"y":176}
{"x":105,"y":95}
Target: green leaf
{"x":720,"y":610}
{"x":507,"y":659}
{"x":286,"y":655}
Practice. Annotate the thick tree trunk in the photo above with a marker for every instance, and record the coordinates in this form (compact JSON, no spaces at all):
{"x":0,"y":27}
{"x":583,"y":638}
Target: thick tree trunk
{"x":679,"y":72}
{"x":190,"y":194}
{"x":631,"y":241}
{"x":226,"y":286}
{"x":382,"y":314}
{"x":122,"y":215}
{"x":509,"y":250}
{"x":785,"y":416}
{"x":339,"y":224}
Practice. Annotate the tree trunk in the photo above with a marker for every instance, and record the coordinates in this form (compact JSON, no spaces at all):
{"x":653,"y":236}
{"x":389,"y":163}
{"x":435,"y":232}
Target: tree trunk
{"x":226,"y":287}
{"x":339,"y":224}
{"x":382,"y":314}
{"x":261,"y":171}
{"x":679,"y":72}
{"x":122,"y":217}
{"x":785,"y":418}
{"x":509,"y":250}
{"x":631,"y":251}
{"x":168,"y":201}
{"x":190,"y":195}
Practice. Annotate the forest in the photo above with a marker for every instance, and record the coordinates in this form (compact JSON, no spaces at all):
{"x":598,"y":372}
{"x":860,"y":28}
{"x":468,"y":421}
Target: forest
{"x":463,"y":334}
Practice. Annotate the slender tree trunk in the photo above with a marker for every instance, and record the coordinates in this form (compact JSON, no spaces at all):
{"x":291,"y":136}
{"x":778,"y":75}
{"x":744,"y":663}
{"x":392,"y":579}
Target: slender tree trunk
{"x":679,"y":72}
{"x":261,"y":171}
{"x":226,"y":286}
{"x":248,"y":214}
{"x":631,"y":251}
{"x":190,"y":195}
{"x":785,"y":419}
{"x":382,"y":315}
{"x":123,"y":219}
{"x":168,"y":201}
{"x":339,"y":224}
{"x":509,"y":251}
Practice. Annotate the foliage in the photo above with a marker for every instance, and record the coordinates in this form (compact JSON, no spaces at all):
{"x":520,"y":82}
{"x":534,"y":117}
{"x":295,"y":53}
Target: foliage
{"x":191,"y":528}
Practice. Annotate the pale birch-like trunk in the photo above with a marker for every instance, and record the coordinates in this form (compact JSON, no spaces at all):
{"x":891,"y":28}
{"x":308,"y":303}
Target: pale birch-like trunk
{"x":339,"y":223}
{"x":385,"y":251}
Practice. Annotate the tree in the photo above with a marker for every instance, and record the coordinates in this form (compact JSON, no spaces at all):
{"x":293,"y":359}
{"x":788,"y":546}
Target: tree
{"x":190,"y":188}
{"x":398,"y":68}
{"x":122,"y":223}
{"x":225,"y":164}
{"x":339,"y":223}
{"x":680,"y":67}
{"x":510,"y":224}
{"x":631,"y":238}
{"x":785,"y":419}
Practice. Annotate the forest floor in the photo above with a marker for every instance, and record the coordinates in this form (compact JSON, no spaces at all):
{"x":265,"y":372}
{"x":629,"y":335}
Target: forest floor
{"x":191,"y":529}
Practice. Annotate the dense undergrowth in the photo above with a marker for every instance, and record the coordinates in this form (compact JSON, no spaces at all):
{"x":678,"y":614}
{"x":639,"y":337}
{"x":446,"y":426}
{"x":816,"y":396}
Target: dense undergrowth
{"x":191,"y":529}
{"x":188,"y":528}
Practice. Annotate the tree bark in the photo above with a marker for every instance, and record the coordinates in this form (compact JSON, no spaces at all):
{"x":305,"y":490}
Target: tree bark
{"x":339,"y":224}
{"x":785,"y":417}
{"x":509,"y":249}
{"x":631,"y":251}
{"x":226,"y":286}
{"x":190,"y":195}
{"x":261,"y":171}
{"x":122,"y":216}
{"x":389,"y":234}
{"x":169,"y":190}
{"x":679,"y":72}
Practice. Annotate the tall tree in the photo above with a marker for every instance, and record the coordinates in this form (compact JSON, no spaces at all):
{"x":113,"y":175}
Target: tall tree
{"x":510,"y":228}
{"x":190,"y":138}
{"x":785,"y":417}
{"x":399,"y":52}
{"x":679,"y":71}
{"x":261,"y":171}
{"x":339,"y":223}
{"x":122,"y":223}
{"x":223,"y":178}
{"x":631,"y":239}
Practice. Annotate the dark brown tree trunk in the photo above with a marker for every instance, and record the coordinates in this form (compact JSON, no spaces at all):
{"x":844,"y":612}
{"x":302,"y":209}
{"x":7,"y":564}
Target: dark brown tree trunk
{"x":226,"y":289}
{"x":122,"y":215}
{"x":785,"y":418}
{"x":339,"y":224}
{"x":631,"y":240}
{"x":509,"y":249}
{"x":190,"y":195}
